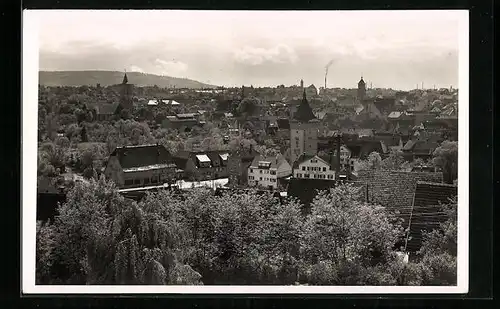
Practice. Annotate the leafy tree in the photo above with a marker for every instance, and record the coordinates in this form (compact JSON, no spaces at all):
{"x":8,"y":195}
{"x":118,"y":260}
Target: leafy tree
{"x":101,"y":238}
{"x":373,"y":162}
{"x":248,"y":106}
{"x":54,"y":154}
{"x":395,"y":161}
{"x":446,"y":157}
{"x":343,"y":236}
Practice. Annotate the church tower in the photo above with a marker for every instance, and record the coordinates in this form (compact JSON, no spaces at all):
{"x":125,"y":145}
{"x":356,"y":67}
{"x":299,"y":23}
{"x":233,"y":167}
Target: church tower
{"x":126,"y":93}
{"x":303,"y":131}
{"x":361,"y":90}
{"x":301,"y":84}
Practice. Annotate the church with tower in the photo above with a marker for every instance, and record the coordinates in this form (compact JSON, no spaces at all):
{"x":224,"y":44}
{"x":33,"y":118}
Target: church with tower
{"x":361,"y":91}
{"x":126,"y":90}
{"x":304,"y":128}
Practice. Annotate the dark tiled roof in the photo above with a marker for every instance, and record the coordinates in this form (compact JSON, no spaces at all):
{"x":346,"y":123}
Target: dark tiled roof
{"x":305,"y":190}
{"x":394,"y":189}
{"x":304,"y":112}
{"x":425,"y":146}
{"x":362,"y":148}
{"x":143,"y":155}
{"x":409,"y":145}
{"x":275,"y":161}
{"x":182,"y":156}
{"x":388,"y":139}
{"x":427,"y":211}
{"x":283,"y":123}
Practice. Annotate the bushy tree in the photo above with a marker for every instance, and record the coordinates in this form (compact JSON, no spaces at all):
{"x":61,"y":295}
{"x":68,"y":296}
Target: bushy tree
{"x":395,"y":161}
{"x":101,"y":238}
{"x":373,"y":162}
{"x":446,"y":157}
{"x":343,"y":236}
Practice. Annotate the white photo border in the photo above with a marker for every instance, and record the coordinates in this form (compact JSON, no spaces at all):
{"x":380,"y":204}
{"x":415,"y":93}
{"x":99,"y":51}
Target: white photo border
{"x":30,"y":68}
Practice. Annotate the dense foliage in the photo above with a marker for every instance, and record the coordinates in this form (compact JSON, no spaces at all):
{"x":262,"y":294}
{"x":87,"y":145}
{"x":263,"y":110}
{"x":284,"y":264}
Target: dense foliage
{"x":199,"y":238}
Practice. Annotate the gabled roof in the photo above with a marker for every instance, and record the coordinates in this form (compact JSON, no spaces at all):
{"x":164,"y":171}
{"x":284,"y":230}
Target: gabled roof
{"x":274,"y":161}
{"x":425,"y":146}
{"x":362,"y":148}
{"x":304,"y":157}
{"x":142,"y":156}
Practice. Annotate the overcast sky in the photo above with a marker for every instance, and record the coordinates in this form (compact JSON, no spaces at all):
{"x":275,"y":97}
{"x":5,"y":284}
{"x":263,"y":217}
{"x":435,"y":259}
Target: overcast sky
{"x":396,"y":49}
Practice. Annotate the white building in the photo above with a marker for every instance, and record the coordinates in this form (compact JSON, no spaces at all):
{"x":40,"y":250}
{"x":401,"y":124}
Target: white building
{"x":266,"y":171}
{"x":314,"y":167}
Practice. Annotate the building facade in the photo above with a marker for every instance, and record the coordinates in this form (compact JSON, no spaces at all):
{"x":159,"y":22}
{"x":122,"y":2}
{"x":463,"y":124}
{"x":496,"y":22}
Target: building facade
{"x":314,"y":167}
{"x":303,"y":131}
{"x":203,"y":165}
{"x":267,"y":171}
{"x":141,"y":166}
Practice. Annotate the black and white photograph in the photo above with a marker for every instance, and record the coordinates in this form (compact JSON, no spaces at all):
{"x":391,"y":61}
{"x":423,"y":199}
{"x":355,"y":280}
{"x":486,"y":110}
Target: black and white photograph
{"x":190,"y":151}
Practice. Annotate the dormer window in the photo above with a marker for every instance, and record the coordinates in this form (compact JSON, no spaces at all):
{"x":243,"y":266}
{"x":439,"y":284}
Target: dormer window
{"x":264,"y":164}
{"x":203,"y":160}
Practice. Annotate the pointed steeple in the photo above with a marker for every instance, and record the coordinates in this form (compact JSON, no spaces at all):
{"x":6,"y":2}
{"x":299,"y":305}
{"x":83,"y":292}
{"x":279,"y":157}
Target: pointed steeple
{"x":125,"y":79}
{"x":304,"y":112}
{"x":361,"y":81}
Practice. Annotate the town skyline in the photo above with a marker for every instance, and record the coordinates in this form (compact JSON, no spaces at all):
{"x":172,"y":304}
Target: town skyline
{"x":402,"y":50}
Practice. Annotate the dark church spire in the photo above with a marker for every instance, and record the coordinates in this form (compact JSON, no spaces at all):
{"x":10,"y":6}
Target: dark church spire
{"x":125,"y":79}
{"x":304,"y":112}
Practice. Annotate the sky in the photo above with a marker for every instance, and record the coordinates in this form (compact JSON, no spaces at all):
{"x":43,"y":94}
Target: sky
{"x":390,"y":49}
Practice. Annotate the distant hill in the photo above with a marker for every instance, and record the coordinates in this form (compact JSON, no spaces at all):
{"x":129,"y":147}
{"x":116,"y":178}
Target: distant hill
{"x":107,"y":78}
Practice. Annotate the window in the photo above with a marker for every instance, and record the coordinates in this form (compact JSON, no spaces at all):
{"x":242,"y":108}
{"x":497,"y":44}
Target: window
{"x":260,"y":171}
{"x":308,"y":168}
{"x":260,"y":178}
{"x":251,"y":170}
{"x":306,"y":176}
{"x":273,"y":180}
{"x":314,"y":161}
{"x":137,"y":181}
{"x":129,"y":182}
{"x":315,"y":176}
{"x":154,"y":179}
{"x":303,"y":168}
{"x":324,"y":169}
{"x":146,"y":181}
{"x":273,"y":172}
{"x":330,"y":176}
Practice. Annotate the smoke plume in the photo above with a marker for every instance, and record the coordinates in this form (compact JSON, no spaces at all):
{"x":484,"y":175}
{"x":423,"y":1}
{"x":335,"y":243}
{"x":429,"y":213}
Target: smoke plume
{"x":326,"y":69}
